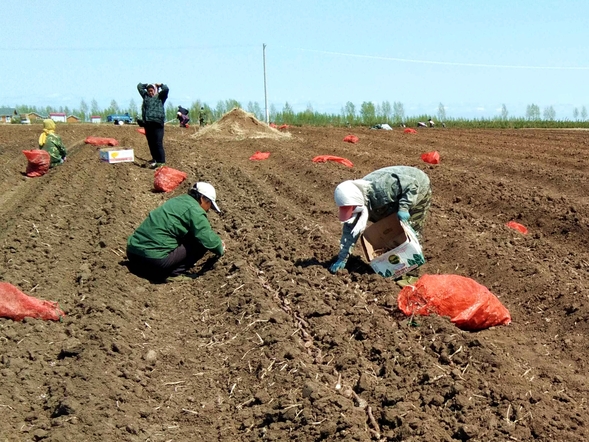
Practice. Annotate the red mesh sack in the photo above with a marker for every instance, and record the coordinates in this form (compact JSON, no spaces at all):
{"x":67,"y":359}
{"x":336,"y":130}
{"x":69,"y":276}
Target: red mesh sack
{"x":39,"y":162}
{"x":431,"y":157}
{"x":141,"y":130}
{"x":410,"y":131}
{"x":273,"y":125}
{"x":517,"y":226}
{"x":351,"y":139}
{"x":98,"y":141}
{"x":167,"y":179}
{"x":15,"y":305}
{"x":260,"y":156}
{"x":324,"y":158}
{"x":470,"y":305}
{"x":283,"y":127}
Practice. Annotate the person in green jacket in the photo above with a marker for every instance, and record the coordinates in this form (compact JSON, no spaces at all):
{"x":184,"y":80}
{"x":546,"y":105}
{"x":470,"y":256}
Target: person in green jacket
{"x":403,"y":190}
{"x":202,"y":117}
{"x":175,"y":236}
{"x":50,"y":142}
{"x":153,"y":117}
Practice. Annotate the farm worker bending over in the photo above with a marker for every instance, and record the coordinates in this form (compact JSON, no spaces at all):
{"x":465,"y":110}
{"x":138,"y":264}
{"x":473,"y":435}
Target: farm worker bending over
{"x":175,"y":236}
{"x":50,"y":142}
{"x":153,"y":115}
{"x":182,"y":116}
{"x":397,"y":189}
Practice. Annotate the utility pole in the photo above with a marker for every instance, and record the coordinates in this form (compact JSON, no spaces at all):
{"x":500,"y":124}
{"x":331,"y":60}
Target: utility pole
{"x":265,"y":90}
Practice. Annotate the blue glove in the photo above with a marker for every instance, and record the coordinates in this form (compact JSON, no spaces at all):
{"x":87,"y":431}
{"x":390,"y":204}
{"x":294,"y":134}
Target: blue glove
{"x":337,"y":266}
{"x":403,"y":215}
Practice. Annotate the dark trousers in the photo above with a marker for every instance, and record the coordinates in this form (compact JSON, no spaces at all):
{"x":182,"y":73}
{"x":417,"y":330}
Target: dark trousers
{"x":184,"y":120}
{"x":154,"y":132}
{"x":179,"y":261}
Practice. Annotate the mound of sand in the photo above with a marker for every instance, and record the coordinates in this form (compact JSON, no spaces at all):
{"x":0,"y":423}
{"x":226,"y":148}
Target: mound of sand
{"x":239,"y":125}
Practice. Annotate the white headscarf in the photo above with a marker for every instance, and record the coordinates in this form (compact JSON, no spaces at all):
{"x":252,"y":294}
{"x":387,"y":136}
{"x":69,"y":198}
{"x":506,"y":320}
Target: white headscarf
{"x":353,"y":193}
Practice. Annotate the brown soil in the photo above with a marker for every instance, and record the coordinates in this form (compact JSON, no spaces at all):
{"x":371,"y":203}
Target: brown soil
{"x":257,"y":346}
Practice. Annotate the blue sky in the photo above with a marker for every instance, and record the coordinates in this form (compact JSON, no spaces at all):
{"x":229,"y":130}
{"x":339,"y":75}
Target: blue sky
{"x":471,"y":56}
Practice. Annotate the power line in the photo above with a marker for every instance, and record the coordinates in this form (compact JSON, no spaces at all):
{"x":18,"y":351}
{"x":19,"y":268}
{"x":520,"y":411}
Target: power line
{"x":318,"y":51}
{"x":120,"y":49}
{"x":446,"y":63}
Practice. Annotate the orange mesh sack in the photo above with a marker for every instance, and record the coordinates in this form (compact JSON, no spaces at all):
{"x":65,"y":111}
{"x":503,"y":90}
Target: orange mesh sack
{"x":325,"y":158}
{"x":258,"y":156}
{"x":167,"y":179}
{"x":517,"y":226}
{"x":39,"y":162}
{"x":99,"y":141}
{"x":351,"y":139}
{"x":431,"y":157}
{"x":15,"y":305}
{"x":470,"y":305}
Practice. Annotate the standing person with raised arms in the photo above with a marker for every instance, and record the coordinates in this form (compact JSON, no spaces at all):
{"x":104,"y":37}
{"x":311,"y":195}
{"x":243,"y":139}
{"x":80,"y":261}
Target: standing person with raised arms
{"x":153,"y":117}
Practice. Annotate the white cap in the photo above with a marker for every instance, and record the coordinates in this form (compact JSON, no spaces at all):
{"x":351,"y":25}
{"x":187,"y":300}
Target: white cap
{"x":205,"y":189}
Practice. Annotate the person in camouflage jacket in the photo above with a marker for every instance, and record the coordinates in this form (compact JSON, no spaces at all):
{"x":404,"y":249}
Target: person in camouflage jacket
{"x":403,"y":190}
{"x":50,"y":142}
{"x":154,"y":116}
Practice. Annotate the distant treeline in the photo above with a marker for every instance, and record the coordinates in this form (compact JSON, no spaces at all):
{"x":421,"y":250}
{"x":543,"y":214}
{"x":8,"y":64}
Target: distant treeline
{"x":367,"y":114}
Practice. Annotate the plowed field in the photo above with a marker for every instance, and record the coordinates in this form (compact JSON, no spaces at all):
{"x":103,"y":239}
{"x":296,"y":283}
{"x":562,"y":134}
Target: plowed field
{"x":266,"y":343}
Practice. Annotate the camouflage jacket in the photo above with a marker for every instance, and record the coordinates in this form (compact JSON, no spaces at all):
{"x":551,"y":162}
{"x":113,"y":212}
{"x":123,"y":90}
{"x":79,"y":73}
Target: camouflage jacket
{"x":55,"y":148}
{"x":152,"y":109}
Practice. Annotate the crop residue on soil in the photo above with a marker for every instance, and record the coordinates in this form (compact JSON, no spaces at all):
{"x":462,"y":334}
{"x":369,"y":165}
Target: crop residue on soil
{"x":237,"y":125}
{"x":267,"y":344}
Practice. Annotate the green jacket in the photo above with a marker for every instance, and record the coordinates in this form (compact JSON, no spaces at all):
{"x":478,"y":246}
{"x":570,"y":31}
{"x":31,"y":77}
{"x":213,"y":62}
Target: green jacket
{"x":152,"y":109}
{"x":165,"y":228}
{"x":391,"y":188}
{"x":55,"y":148}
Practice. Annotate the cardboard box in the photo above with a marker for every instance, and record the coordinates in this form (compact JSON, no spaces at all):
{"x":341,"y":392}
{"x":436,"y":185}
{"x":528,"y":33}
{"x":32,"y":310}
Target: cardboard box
{"x":115,"y":155}
{"x":402,"y":251}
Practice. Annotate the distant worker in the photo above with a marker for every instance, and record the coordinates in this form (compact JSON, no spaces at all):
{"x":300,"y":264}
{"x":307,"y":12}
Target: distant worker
{"x":421,"y":124}
{"x":202,"y":116}
{"x":183,"y":117}
{"x":403,"y":190}
{"x":443,"y":124}
{"x":431,"y":123}
{"x":175,"y":236}
{"x":153,"y":117}
{"x":50,"y":142}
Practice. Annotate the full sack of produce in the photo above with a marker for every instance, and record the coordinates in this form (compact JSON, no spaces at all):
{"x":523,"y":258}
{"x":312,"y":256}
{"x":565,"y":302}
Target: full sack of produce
{"x":39,"y":162}
{"x":431,"y":157}
{"x":470,"y":305}
{"x":167,"y":179}
{"x":99,"y":141}
{"x":16,"y":305}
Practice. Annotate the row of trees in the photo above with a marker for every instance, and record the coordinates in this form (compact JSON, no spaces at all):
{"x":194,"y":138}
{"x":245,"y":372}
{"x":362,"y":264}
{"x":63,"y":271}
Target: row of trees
{"x":367,"y":114}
